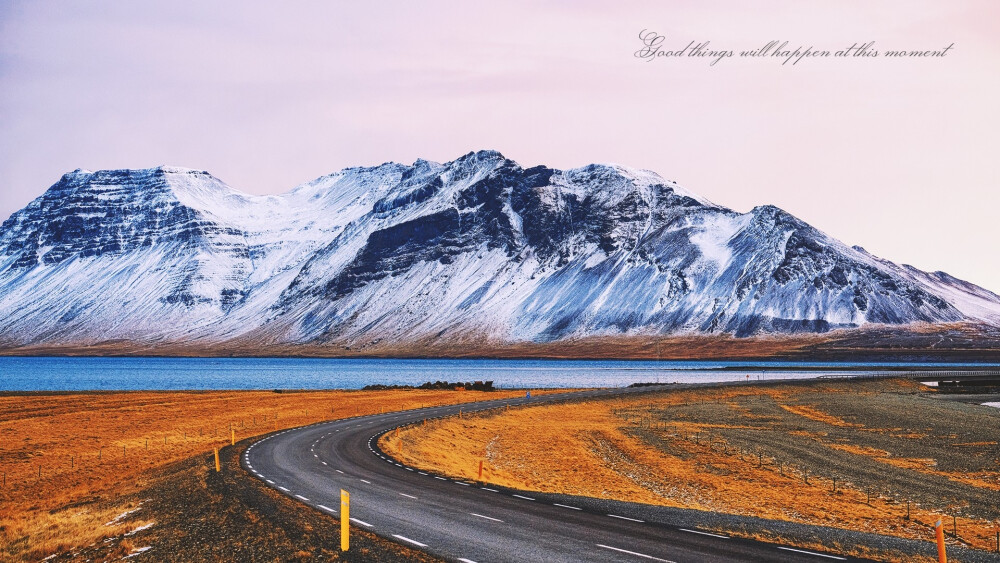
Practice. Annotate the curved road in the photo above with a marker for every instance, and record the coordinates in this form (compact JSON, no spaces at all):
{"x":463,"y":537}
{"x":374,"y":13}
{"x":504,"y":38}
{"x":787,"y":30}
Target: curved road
{"x":469,"y":522}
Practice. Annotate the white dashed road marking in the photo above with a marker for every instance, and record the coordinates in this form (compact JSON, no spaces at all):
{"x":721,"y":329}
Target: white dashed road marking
{"x":408,"y":540}
{"x":703,"y":533}
{"x":812,"y":553}
{"x":637,"y":554}
{"x":626,"y":518}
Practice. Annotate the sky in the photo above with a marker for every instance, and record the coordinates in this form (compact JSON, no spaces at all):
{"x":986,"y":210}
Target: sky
{"x":898,"y":155}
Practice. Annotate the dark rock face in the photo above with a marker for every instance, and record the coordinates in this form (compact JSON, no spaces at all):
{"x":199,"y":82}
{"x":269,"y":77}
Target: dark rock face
{"x":105,"y":213}
{"x":396,"y":249}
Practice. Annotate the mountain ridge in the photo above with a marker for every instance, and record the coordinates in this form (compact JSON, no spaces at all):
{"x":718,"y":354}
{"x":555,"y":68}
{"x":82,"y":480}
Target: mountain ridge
{"x":394,"y":254}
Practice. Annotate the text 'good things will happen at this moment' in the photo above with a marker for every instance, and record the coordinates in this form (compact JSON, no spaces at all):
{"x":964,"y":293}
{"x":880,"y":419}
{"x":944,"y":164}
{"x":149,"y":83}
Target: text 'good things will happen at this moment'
{"x":780,"y":51}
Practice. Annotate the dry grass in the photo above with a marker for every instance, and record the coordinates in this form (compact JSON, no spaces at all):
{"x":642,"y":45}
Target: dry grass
{"x":771,"y":452}
{"x":59,"y":453}
{"x":813,"y":413}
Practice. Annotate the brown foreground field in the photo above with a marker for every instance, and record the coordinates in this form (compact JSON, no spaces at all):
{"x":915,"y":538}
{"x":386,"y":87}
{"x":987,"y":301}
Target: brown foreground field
{"x":874,"y":456}
{"x":73,"y":463}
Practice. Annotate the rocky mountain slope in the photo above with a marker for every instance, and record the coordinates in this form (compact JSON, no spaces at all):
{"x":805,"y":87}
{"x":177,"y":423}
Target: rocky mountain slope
{"x":475,"y":250}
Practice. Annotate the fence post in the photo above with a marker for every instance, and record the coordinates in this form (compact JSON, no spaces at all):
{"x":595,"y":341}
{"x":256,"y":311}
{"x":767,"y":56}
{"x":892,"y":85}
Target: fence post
{"x":345,"y":520}
{"x":939,"y":534}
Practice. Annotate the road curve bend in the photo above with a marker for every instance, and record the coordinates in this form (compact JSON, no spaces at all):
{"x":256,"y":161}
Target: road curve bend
{"x":472,"y":522}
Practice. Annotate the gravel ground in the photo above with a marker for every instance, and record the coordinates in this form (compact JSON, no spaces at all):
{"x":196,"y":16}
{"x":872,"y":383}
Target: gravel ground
{"x":897,"y":441}
{"x":201,"y":515}
{"x":952,"y":437}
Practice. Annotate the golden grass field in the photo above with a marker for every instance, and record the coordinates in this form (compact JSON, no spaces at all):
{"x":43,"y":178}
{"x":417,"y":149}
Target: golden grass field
{"x":62,"y":453}
{"x":771,"y":451}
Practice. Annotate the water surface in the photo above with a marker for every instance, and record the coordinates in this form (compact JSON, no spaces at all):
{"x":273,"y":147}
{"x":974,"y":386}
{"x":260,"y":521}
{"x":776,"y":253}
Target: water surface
{"x":78,"y":374}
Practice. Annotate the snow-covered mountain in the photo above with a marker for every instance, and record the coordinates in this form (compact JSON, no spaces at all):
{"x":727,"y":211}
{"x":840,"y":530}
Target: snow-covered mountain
{"x":474,"y":250}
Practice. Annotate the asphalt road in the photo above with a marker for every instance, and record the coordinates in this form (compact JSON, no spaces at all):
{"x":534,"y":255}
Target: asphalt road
{"x":473,"y":522}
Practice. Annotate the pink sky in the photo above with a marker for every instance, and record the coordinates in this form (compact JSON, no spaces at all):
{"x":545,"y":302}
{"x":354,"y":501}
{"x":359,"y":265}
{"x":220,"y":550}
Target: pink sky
{"x":899,"y":156}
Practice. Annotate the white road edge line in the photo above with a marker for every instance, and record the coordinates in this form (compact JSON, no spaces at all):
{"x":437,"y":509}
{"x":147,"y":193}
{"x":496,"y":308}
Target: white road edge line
{"x":566,"y":506}
{"x":362,"y":522}
{"x":406,"y":495}
{"x":626,"y":518}
{"x":464,"y":560}
{"x":490,"y":490}
{"x":408,"y":540}
{"x":525,"y":498}
{"x":634,"y":553}
{"x":364,"y":481}
{"x":485,"y":517}
{"x":300,"y":497}
{"x":326,"y":508}
{"x":284,"y":489}
{"x":703,"y":533}
{"x":812,"y":553}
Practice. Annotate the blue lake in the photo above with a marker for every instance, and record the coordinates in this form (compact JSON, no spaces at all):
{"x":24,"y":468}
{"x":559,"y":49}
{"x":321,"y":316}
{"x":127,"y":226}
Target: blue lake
{"x":78,"y":374}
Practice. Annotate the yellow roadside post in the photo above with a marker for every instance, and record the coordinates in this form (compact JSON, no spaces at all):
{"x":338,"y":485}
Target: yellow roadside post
{"x":233,"y":436}
{"x":939,"y":531}
{"x":480,"y":470}
{"x":345,"y":520}
{"x":217,"y":467}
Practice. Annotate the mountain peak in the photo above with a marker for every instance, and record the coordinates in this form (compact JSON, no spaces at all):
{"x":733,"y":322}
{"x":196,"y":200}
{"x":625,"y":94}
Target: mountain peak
{"x":483,"y":154}
{"x":478,"y":247}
